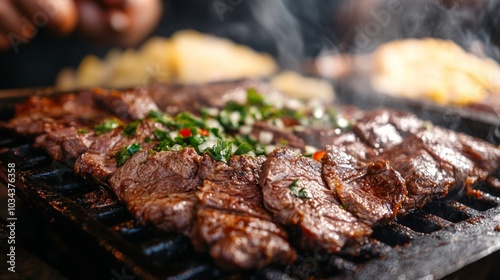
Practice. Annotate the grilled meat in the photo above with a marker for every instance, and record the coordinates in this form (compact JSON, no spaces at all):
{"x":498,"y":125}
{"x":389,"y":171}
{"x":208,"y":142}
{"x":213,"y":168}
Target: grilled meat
{"x":66,"y":144}
{"x":174,"y":99}
{"x":238,"y":207}
{"x":158,"y":188}
{"x":372,"y":191}
{"x":39,"y":115}
{"x":131,"y":104}
{"x":231,"y":219}
{"x":295,"y":193}
{"x":382,"y":129}
{"x":99,"y":161}
{"x":278,"y":135}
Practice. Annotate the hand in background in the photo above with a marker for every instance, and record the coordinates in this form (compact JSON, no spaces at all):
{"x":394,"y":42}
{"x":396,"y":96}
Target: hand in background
{"x":118,"y":22}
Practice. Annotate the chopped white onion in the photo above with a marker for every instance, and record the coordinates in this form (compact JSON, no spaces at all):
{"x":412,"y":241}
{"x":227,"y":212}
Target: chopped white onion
{"x":234,"y":118}
{"x":269,"y":148}
{"x":213,"y":123}
{"x":234,"y":148}
{"x":265,"y":137}
{"x":176,"y":147}
{"x":342,"y":122}
{"x":279,"y":123}
{"x":245,"y":129}
{"x":212,"y":111}
{"x":249,"y":120}
{"x":208,"y":144}
{"x":310,"y":149}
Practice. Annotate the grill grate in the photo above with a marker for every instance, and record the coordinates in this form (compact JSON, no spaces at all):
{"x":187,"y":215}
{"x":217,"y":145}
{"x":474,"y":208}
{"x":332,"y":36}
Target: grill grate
{"x":437,"y":240}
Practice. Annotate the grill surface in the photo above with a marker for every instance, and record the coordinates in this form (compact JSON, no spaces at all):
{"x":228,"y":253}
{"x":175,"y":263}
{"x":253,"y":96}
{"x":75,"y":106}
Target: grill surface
{"x":433,"y":242}
{"x":441,"y":238}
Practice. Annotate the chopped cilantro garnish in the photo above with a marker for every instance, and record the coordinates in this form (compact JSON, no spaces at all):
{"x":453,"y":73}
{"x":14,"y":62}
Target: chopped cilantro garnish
{"x":126,"y":153}
{"x":130,"y":129}
{"x":161,"y":134}
{"x":82,"y":131}
{"x":164,"y":145}
{"x":243,"y":148}
{"x":254,"y":98}
{"x":161,"y":118}
{"x":106,"y":126}
{"x":299,"y":192}
{"x":221,"y":151}
{"x":188,"y":120}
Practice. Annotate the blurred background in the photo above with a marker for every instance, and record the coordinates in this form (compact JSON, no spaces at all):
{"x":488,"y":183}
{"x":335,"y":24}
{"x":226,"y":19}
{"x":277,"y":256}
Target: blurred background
{"x":290,"y":30}
{"x":364,"y":46}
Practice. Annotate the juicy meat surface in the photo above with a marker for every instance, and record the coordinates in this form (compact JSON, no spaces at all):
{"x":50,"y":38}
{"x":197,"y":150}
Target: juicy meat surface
{"x":39,"y":115}
{"x":320,"y":219}
{"x":279,"y":135}
{"x":174,"y":99}
{"x":425,"y":177}
{"x":231,"y":219}
{"x":159,"y":188}
{"x":434,"y":162}
{"x":99,"y":162}
{"x":382,"y":129}
{"x":372,"y":191}
{"x":65,"y":144}
{"x":133,"y":104}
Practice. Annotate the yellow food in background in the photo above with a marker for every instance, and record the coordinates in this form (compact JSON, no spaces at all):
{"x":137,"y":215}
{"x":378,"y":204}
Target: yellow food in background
{"x":202,"y":58}
{"x":187,"y":57}
{"x":433,"y":69}
{"x":301,"y":87}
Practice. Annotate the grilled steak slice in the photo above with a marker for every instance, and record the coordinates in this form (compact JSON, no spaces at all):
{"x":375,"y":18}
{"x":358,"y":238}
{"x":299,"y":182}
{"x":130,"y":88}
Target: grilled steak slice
{"x":174,"y":99}
{"x":482,"y":153}
{"x":279,"y":135}
{"x":383,"y":129}
{"x":39,"y":115}
{"x":131,"y":104}
{"x":231,"y":219}
{"x":65,"y":144}
{"x":445,"y":147}
{"x":425,"y":176}
{"x":99,"y":162}
{"x":436,"y":161}
{"x":321,"y":137}
{"x":288,"y":180}
{"x":158,"y":188}
{"x":372,"y":191}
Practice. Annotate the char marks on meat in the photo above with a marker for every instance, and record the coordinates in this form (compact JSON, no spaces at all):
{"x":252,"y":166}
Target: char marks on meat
{"x":425,"y":176}
{"x":39,"y":115}
{"x":388,"y":164}
{"x":159,"y":188}
{"x":133,"y":104}
{"x":65,"y":144}
{"x":231,"y":219}
{"x":321,"y":221}
{"x":372,"y":191}
{"x":382,"y":129}
{"x":99,"y":162}
{"x":174,"y":99}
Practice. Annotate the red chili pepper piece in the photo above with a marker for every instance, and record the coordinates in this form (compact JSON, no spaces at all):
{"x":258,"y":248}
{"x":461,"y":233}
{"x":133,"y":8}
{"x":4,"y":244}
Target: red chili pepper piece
{"x":185,"y":132}
{"x":318,"y":155}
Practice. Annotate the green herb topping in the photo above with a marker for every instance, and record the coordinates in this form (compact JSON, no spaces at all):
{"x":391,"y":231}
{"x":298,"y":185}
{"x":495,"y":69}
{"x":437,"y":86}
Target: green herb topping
{"x":299,"y":192}
{"x":131,"y":128}
{"x":106,"y":126}
{"x":126,"y":153}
